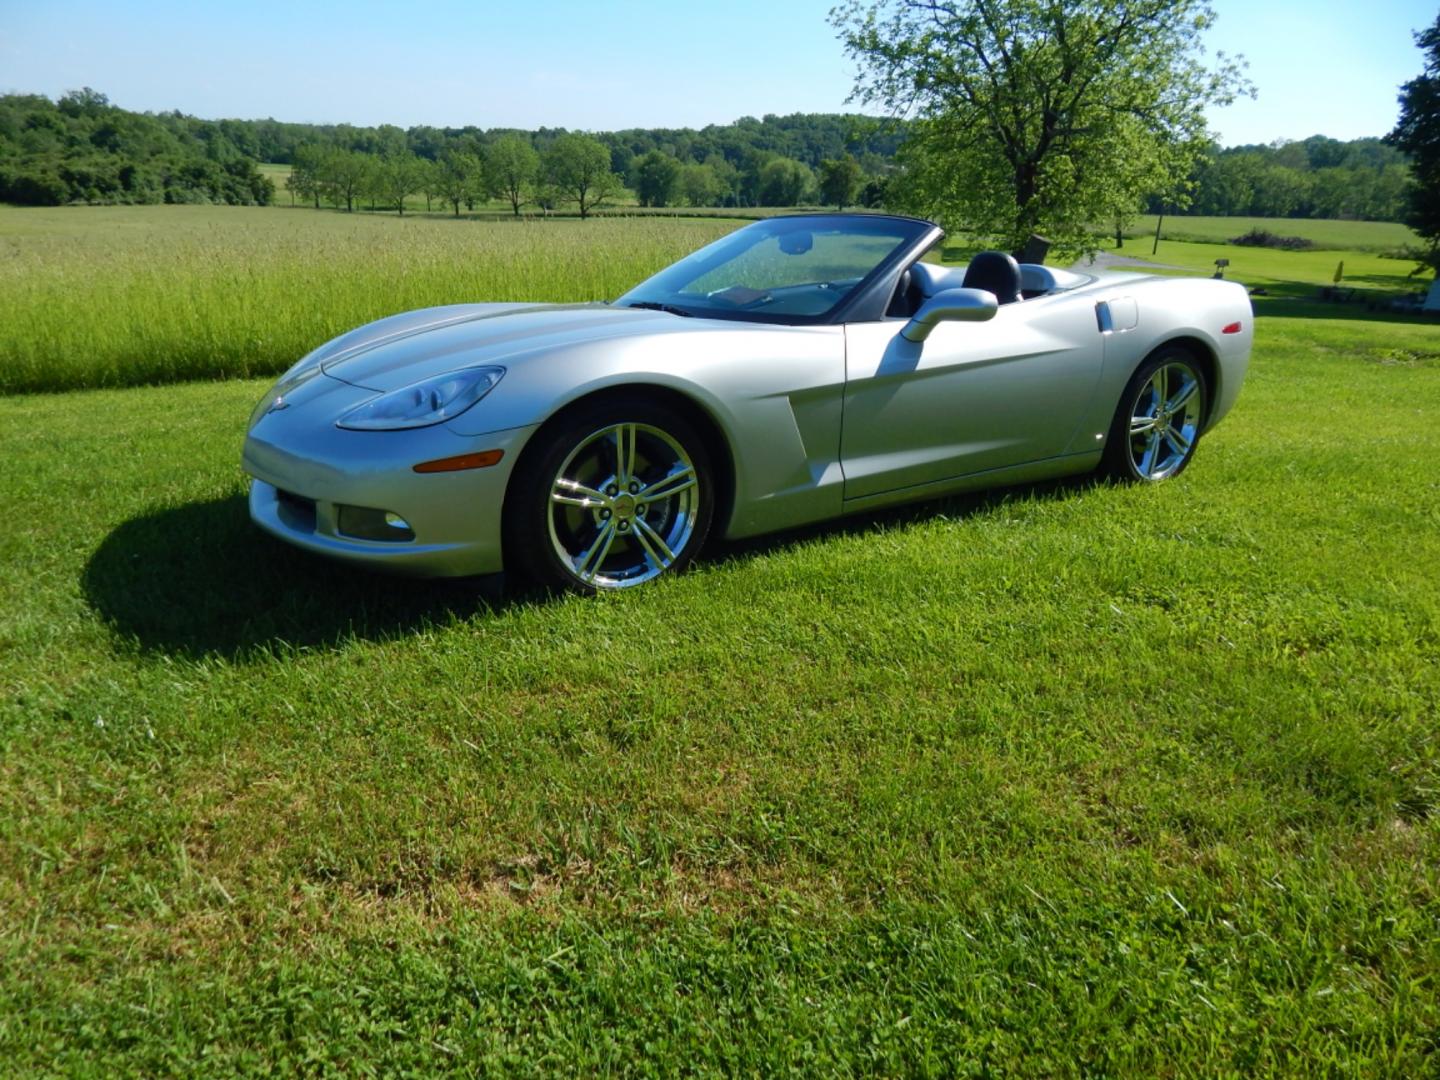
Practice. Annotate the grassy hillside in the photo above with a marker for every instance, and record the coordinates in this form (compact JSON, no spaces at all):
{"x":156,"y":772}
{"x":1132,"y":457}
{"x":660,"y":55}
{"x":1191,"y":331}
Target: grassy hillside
{"x":1069,"y":780}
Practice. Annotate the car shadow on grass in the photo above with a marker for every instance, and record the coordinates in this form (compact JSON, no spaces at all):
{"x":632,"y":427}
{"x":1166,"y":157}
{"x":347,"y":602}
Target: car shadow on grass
{"x":200,"y":580}
{"x":951,"y":507}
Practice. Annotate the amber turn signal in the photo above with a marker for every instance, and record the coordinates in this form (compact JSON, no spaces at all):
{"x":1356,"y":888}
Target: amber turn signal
{"x":483,"y":460}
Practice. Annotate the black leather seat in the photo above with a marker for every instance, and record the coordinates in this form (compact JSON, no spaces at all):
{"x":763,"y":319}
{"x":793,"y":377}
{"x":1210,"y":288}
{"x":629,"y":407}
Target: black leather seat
{"x":908,"y":296}
{"x":996,"y":272}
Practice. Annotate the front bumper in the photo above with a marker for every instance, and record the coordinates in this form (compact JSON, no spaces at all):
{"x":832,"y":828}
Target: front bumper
{"x":303,"y":473}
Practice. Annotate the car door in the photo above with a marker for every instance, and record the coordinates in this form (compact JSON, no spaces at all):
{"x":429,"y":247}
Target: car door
{"x":972,"y":397}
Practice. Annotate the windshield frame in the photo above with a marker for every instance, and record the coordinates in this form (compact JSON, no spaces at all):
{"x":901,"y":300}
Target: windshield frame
{"x":921,"y":236}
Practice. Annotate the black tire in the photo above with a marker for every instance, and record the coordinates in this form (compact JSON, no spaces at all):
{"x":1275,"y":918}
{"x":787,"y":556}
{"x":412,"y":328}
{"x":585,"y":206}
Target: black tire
{"x":1147,"y":455}
{"x":572,"y":489}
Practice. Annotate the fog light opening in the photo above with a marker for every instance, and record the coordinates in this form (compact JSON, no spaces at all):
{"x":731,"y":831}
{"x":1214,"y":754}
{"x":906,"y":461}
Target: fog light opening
{"x":363,"y":523}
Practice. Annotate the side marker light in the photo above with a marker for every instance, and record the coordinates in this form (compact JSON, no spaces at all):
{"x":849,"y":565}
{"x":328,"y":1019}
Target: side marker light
{"x":483,"y":460}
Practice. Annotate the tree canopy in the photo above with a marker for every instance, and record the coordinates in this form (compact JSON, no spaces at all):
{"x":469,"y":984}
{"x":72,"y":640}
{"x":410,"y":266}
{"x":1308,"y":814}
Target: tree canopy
{"x":1418,"y":134}
{"x":840,"y":180}
{"x":1040,"y":116}
{"x":578,"y":168}
{"x":83,"y":149}
{"x":511,"y":169}
{"x":657,"y":178}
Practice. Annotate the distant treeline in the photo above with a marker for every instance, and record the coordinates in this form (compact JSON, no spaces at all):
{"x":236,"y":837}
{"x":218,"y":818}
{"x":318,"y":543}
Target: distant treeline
{"x":1318,"y":177}
{"x":83,"y":149}
{"x":774,"y":161}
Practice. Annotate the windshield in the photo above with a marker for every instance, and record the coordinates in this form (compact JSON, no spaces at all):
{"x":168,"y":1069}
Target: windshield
{"x":790,"y":269}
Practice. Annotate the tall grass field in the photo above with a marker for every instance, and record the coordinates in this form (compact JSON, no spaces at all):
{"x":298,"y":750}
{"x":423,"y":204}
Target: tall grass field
{"x":124,"y":296}
{"x":1066,"y":780}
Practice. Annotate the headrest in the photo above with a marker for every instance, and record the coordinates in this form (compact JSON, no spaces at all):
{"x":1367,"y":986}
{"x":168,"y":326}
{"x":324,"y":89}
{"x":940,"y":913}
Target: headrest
{"x":996,"y":272}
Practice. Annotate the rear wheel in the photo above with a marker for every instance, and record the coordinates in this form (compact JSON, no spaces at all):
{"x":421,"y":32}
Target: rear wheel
{"x":617,"y":495}
{"x":1157,"y":425}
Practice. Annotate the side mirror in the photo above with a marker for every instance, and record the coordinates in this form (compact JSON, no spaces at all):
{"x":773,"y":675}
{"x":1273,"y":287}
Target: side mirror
{"x":952,"y":305}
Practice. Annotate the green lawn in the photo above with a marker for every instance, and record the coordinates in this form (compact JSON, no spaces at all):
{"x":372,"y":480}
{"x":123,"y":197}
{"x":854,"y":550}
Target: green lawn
{"x":1061,"y":781}
{"x":1373,"y":236}
{"x":1292,"y":282}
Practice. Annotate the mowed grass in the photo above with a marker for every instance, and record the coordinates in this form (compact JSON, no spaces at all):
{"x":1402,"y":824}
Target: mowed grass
{"x":1270,"y":267}
{"x":1060,"y":781}
{"x":124,"y":296}
{"x":1373,"y":236}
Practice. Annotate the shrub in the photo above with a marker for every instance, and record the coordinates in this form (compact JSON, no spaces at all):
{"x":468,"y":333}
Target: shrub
{"x":1265,"y":238}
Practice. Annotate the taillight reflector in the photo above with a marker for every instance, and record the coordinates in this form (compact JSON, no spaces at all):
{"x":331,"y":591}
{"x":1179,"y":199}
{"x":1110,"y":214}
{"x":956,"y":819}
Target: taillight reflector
{"x":483,"y":460}
{"x":1233,"y":328}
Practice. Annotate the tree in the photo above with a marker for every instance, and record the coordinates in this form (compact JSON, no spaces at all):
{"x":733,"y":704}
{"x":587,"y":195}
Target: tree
{"x":728,"y":177}
{"x":840,"y":180}
{"x":398,"y":177}
{"x":1040,"y":116}
{"x":86,"y":102}
{"x":579,"y":166}
{"x":305,"y":168}
{"x":457,"y":177}
{"x":1227,"y":184}
{"x":700,"y":186}
{"x":874,"y":194}
{"x":783,"y":182}
{"x":1418,"y":134}
{"x":344,"y":176}
{"x":430,"y":182}
{"x":657,"y":176}
{"x":511,"y":168}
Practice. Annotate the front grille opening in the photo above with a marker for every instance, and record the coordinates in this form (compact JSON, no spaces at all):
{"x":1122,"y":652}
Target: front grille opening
{"x":364,"y":523}
{"x":295,"y":511}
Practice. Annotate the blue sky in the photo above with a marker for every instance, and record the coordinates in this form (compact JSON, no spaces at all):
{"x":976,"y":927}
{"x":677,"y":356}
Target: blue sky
{"x":1321,"y":67}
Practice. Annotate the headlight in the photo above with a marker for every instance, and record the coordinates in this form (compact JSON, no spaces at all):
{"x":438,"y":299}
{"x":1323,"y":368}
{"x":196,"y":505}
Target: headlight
{"x":421,"y":404}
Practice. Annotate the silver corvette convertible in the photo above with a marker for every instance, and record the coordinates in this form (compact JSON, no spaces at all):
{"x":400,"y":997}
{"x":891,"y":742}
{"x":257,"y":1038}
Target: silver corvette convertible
{"x":797,"y":369}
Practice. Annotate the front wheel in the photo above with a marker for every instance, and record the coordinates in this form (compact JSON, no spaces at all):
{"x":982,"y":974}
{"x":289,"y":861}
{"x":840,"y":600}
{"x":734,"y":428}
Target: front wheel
{"x":1157,"y":424}
{"x":617,"y":495}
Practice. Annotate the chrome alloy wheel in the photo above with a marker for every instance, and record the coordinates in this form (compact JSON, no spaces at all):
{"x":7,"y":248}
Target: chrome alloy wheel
{"x":1165,"y":421}
{"x":623,"y":506}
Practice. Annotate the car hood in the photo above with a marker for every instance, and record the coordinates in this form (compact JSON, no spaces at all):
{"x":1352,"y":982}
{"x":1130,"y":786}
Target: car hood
{"x":400,"y":351}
